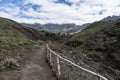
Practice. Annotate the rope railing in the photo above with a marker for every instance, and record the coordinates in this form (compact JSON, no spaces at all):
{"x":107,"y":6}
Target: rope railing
{"x":80,"y":67}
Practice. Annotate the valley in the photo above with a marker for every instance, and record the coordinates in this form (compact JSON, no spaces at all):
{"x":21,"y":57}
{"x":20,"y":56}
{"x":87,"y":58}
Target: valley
{"x":23,"y":52}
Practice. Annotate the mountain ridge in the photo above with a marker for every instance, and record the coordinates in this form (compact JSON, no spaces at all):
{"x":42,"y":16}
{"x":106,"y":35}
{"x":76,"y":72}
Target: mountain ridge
{"x":55,"y":28}
{"x":111,"y":18}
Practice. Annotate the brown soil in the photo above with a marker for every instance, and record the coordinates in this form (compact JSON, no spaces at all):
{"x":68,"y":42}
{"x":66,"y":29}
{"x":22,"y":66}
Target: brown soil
{"x":35,"y":68}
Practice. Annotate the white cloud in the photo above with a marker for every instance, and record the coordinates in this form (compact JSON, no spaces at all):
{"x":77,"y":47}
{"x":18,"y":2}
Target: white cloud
{"x":3,"y":14}
{"x":73,"y":1}
{"x":11,"y":9}
{"x":81,"y":11}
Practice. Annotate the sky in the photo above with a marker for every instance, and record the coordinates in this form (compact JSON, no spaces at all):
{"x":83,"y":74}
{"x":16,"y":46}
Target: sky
{"x":58,"y":11}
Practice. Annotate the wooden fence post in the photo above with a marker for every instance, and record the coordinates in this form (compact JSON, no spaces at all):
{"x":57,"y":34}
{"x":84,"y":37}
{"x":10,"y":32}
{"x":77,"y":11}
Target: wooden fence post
{"x":58,"y":73}
{"x":47,"y":53}
{"x":50,"y":57}
{"x":58,"y":67}
{"x":99,"y":78}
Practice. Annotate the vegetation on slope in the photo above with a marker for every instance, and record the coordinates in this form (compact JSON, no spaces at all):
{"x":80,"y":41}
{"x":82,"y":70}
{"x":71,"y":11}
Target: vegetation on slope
{"x":100,"y":42}
{"x":15,"y":42}
{"x":12,"y":37}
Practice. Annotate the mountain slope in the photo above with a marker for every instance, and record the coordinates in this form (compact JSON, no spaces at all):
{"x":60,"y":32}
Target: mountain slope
{"x":23,"y":49}
{"x":11,"y":28}
{"x":100,"y":41}
{"x":78,"y":29}
{"x":14,"y":37}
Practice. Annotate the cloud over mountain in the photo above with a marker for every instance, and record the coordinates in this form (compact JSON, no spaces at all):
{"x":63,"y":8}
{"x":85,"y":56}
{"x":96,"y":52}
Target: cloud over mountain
{"x":58,"y":11}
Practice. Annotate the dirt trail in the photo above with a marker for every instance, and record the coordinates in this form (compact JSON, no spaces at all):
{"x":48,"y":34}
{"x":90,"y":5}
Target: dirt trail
{"x":35,"y":68}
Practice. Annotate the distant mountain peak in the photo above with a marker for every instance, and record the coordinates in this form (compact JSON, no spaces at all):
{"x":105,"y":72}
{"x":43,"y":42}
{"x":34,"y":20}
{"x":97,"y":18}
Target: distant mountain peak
{"x":111,"y":18}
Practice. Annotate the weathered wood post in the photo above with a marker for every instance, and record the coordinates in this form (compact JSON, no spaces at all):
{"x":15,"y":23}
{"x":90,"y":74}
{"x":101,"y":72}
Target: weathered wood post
{"x":58,"y":67}
{"x":50,"y":57}
{"x":47,"y":51}
{"x":99,"y":78}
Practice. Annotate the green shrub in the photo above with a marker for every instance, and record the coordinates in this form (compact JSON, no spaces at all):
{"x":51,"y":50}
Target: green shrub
{"x":2,"y":67}
{"x":70,"y":66}
{"x":85,"y":75}
{"x":9,"y":62}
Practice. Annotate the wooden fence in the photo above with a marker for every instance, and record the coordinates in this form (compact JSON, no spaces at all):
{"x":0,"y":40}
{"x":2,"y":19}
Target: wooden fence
{"x":49,"y":55}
